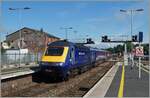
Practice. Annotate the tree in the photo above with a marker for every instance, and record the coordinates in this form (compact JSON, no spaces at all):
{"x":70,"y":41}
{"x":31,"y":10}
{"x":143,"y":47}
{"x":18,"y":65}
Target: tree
{"x":120,"y":48}
{"x":129,"y":46}
{"x":116,"y":49}
{"x":146,"y":49}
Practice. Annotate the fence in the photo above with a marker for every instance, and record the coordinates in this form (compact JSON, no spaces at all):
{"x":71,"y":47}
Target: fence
{"x":144,"y":60}
{"x":19,"y":59}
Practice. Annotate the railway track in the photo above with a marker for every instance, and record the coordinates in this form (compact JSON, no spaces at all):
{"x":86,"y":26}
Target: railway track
{"x":33,"y":86}
{"x":85,"y":85}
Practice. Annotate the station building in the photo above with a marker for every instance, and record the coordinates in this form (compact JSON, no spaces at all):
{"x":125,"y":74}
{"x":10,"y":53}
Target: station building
{"x":33,"y":40}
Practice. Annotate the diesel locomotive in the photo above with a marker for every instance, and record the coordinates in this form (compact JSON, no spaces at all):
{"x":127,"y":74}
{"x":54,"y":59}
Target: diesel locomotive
{"x":61,"y":57}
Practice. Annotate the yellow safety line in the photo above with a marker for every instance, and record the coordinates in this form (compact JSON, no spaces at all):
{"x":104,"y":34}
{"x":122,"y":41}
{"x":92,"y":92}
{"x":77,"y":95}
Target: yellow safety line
{"x":121,"y":88}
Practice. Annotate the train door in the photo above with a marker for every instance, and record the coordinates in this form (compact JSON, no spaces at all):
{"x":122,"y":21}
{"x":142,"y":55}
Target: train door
{"x":72,"y":56}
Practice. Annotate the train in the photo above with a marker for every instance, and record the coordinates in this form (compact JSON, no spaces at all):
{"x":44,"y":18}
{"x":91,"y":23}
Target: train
{"x":62,"y":57}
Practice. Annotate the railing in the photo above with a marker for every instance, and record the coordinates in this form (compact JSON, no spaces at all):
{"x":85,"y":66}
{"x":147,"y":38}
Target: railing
{"x":19,"y":60}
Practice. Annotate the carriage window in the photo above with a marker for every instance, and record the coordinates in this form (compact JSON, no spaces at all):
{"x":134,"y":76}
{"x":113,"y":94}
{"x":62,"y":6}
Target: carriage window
{"x":54,"y":51}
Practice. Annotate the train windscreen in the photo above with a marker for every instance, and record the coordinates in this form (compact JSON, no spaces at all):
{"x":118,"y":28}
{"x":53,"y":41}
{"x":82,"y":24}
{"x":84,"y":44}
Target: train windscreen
{"x":54,"y":51}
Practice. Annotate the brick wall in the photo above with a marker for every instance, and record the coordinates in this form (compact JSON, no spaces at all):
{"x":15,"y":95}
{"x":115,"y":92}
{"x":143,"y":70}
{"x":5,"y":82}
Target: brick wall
{"x":35,"y":41}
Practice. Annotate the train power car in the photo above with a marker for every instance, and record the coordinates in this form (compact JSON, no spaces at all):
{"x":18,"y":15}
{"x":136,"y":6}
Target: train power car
{"x":61,"y":57}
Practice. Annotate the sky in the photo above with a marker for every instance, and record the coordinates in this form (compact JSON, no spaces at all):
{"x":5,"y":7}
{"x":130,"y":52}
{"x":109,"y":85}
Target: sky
{"x":89,"y":18}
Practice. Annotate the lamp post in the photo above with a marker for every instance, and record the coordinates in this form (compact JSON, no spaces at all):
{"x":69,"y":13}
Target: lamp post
{"x":66,"y":31}
{"x":20,"y":41}
{"x":19,"y":11}
{"x":131,"y":26}
{"x":75,"y":32}
{"x":131,"y":20}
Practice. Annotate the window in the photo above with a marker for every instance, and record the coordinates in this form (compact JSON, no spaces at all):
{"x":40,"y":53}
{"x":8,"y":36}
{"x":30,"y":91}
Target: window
{"x":54,"y":51}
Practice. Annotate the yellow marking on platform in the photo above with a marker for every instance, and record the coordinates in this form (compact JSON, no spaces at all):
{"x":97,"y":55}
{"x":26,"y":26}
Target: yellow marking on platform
{"x":121,"y":88}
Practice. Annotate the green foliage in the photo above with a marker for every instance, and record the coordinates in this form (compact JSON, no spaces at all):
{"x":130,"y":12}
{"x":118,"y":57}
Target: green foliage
{"x":116,"y":49}
{"x":120,"y":48}
{"x":129,"y":46}
{"x":146,"y":49}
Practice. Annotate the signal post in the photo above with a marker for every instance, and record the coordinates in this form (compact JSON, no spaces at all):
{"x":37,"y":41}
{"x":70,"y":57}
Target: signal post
{"x":135,"y":38}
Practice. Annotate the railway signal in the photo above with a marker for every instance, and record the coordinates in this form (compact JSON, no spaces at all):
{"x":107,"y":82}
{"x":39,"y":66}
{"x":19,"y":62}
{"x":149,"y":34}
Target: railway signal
{"x":89,"y":41}
{"x":105,"y":39}
{"x":140,"y":36}
{"x":134,"y":38}
{"x":137,"y":38}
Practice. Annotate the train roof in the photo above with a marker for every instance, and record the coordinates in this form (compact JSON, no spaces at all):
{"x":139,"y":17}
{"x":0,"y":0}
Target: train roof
{"x":60,"y":43}
{"x":80,"y":46}
{"x":65,"y":43}
{"x":95,"y":48}
{"x":68,"y":44}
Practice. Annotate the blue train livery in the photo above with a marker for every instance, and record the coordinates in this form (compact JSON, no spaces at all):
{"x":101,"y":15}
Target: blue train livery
{"x":61,"y":57}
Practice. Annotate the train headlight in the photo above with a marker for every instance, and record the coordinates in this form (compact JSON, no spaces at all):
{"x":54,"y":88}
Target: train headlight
{"x":51,"y":64}
{"x":59,"y":64}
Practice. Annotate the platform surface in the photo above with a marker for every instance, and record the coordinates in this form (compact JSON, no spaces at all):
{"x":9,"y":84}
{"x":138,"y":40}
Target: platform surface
{"x":131,"y":86}
{"x":15,"y":72}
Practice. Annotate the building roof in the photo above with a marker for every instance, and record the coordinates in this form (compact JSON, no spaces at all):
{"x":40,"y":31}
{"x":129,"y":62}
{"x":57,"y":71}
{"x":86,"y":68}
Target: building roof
{"x":34,"y":30}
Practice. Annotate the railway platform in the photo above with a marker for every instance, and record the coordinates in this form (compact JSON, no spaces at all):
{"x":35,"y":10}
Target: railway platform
{"x":122,"y":81}
{"x":18,"y":71}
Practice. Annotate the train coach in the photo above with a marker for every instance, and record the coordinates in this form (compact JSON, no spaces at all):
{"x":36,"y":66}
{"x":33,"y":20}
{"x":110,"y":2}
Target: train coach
{"x":61,"y":57}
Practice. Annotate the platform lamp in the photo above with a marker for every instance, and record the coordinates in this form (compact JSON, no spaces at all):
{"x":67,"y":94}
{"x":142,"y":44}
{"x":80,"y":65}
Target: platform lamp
{"x":19,"y":11}
{"x":131,"y":20}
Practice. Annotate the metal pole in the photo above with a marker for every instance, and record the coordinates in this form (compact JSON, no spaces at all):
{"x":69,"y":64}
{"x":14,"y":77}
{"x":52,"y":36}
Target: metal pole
{"x":19,"y":10}
{"x":131,"y":11}
{"x":125,"y":55}
{"x":66,"y":33}
{"x":20,"y":38}
{"x":75,"y":32}
{"x":15,"y":59}
{"x":131,"y":23}
{"x":131,"y":39}
{"x":139,"y":63}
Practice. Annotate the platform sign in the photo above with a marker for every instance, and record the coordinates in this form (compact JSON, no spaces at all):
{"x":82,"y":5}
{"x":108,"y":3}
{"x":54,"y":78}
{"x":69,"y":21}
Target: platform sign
{"x":139,"y":51}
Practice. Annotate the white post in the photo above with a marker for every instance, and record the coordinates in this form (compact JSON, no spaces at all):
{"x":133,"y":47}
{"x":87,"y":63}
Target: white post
{"x":132,"y":60}
{"x":125,"y":55}
{"x":139,"y":64}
